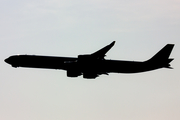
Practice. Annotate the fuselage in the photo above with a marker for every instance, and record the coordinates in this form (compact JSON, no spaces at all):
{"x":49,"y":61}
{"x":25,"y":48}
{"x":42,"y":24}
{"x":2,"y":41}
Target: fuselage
{"x":66,"y":63}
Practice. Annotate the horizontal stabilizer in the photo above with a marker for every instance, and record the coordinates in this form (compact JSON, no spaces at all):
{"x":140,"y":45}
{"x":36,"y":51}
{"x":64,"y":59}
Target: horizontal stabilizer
{"x":169,"y":60}
{"x":169,"y":67}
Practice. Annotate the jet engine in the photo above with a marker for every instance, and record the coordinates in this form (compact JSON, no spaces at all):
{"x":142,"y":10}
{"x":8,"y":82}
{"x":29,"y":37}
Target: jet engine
{"x":73,"y":73}
{"x":90,"y":75}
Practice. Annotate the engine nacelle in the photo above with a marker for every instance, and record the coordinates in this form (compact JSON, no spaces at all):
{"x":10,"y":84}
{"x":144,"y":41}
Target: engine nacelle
{"x":73,"y":73}
{"x":90,"y":75}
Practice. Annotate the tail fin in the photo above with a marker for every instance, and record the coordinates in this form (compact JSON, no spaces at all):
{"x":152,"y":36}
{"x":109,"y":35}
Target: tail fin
{"x":162,"y":57}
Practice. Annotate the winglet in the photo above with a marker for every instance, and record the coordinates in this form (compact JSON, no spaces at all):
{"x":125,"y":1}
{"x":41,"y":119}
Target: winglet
{"x":101,"y":53}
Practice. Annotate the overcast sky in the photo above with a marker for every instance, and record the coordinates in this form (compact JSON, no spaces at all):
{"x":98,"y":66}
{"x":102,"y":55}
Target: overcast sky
{"x":72,"y":27}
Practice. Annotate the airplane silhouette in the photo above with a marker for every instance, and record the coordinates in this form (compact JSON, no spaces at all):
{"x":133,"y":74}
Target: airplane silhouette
{"x":93,"y":65}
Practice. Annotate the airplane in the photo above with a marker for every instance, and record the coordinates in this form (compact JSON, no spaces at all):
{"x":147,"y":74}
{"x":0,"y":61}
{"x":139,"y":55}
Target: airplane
{"x":93,"y":65}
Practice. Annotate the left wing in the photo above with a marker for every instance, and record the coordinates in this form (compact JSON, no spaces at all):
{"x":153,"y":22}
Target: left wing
{"x":100,"y":54}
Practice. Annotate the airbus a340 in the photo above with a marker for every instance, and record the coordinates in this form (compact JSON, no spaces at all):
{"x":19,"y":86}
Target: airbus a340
{"x":93,"y":65}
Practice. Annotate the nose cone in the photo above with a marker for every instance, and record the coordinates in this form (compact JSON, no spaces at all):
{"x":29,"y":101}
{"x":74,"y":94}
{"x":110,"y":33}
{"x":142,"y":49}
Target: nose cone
{"x":7,"y":60}
{"x":12,"y":60}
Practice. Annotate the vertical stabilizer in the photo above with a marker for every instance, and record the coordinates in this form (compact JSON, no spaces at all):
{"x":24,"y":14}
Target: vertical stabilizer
{"x":162,"y":57}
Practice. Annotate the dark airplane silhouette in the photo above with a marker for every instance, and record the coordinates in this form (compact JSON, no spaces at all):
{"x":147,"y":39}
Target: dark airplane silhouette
{"x":93,"y":65}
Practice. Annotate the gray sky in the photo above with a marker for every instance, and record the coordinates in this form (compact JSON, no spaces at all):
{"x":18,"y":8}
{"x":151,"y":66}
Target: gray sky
{"x":72,"y":27}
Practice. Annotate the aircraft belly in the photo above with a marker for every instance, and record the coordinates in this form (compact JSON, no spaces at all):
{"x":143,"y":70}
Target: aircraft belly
{"x":125,"y":66}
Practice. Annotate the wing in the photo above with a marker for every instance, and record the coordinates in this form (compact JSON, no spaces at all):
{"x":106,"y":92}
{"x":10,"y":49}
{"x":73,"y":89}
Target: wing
{"x":93,"y":59}
{"x":100,"y":54}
